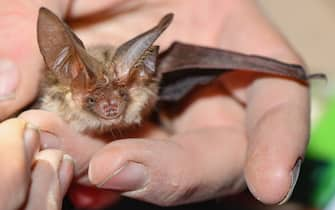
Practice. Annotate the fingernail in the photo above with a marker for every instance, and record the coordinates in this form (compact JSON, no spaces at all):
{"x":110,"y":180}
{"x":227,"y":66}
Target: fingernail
{"x":49,"y":140}
{"x":65,"y":172}
{"x":294,"y":178}
{"x":130,"y":177}
{"x":9,"y":78}
{"x":31,"y":140}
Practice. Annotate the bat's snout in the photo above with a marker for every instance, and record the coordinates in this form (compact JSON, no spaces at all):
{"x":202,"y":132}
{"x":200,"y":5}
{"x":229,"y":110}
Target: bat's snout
{"x":111,"y":109}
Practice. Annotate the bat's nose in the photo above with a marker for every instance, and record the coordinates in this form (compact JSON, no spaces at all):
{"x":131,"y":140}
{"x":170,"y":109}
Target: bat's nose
{"x":111,"y":107}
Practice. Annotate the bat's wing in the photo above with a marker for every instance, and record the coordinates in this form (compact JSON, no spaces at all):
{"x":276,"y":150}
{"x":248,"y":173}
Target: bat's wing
{"x":185,"y":66}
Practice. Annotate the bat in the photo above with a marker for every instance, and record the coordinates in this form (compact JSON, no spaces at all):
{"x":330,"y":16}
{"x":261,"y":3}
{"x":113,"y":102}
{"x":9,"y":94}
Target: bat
{"x":101,"y":88}
{"x":98,"y":88}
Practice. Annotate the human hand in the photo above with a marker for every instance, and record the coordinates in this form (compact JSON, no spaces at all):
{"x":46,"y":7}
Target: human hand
{"x":220,"y":142}
{"x":206,"y":157}
{"x":30,"y":179}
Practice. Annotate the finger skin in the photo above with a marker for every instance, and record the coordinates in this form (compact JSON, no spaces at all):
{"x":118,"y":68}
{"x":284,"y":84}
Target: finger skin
{"x":82,"y":149}
{"x":66,"y":174}
{"x":16,"y":168}
{"x":78,"y":146}
{"x":278,"y":129}
{"x":82,"y":8}
{"x":178,"y":173}
{"x":46,"y":190}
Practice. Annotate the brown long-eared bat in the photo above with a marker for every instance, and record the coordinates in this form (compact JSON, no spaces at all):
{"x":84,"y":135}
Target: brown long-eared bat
{"x":102,"y":88}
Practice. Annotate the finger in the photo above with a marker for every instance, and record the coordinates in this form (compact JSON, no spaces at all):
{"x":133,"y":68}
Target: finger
{"x":56,"y":134}
{"x":66,"y":173}
{"x":83,"y":8}
{"x":190,"y":167}
{"x":19,"y":142}
{"x":50,"y":179}
{"x":20,"y":60}
{"x":278,"y":127}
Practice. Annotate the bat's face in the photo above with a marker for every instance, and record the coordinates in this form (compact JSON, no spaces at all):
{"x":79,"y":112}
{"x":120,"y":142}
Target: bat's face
{"x":108,"y":103}
{"x":110,"y":96}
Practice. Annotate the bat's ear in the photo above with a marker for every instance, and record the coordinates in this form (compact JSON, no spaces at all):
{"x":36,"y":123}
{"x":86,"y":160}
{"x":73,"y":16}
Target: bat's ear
{"x":139,"y":50}
{"x":63,"y":52}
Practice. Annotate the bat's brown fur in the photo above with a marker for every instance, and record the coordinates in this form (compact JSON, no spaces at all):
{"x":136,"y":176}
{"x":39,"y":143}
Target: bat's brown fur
{"x":56,"y":97}
{"x":101,"y":88}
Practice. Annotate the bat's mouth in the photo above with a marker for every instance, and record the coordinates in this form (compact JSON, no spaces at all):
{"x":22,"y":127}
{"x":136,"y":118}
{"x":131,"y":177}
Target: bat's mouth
{"x":111,"y":116}
{"x":111,"y":112}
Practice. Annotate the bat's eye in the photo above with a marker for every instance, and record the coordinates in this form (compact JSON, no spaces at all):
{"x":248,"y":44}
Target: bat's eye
{"x":123,"y":93}
{"x":90,"y":101}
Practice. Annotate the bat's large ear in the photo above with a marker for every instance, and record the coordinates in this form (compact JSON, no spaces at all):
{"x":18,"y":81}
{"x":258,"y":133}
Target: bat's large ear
{"x":63,"y":52}
{"x":139,"y":50}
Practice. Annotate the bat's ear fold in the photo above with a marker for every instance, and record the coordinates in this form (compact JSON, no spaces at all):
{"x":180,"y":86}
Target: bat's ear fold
{"x":149,"y":61}
{"x":145,"y":68}
{"x":63,"y":52}
{"x":139,"y":50}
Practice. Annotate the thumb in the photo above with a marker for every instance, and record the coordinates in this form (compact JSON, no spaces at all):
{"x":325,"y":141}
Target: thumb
{"x":134,"y":163}
{"x":186,"y":168}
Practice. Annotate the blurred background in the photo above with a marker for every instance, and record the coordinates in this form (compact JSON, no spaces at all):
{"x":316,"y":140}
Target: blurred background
{"x":309,"y":25}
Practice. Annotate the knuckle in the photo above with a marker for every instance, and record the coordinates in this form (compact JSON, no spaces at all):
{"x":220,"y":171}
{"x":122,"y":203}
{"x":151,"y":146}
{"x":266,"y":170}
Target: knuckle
{"x":180,"y":191}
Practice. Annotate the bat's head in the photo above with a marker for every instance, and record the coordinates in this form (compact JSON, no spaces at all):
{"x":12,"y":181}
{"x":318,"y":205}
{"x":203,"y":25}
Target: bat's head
{"x":111,"y":96}
{"x":111,"y":89}
{"x":107,"y":100}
